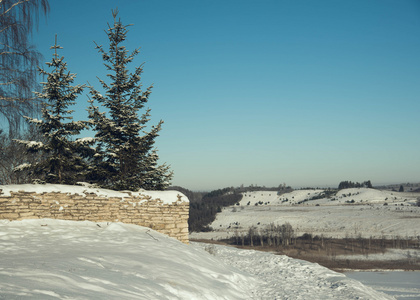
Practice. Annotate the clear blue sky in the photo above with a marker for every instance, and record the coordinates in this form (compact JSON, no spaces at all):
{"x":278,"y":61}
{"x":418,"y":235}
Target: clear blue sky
{"x":308,"y":93}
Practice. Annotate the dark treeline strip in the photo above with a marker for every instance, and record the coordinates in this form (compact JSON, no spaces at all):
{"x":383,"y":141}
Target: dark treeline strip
{"x":350,"y":184}
{"x":204,"y":206}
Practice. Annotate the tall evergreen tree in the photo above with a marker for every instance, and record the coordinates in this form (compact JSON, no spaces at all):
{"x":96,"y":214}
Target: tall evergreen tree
{"x":62,"y":161}
{"x":125,"y":156}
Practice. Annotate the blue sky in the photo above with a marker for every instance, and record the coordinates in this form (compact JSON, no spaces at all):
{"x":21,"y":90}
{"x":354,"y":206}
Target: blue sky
{"x":307,"y":93}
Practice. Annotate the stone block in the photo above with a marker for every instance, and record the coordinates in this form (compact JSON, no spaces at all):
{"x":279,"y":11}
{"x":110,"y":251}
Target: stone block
{"x":26,"y":199}
{"x":182,"y":225}
{"x":158,"y":227}
{"x":9,"y":216}
{"x":45,"y":214}
{"x":29,"y":217}
{"x":138,"y":221}
{"x":169,"y":219}
{"x":25,"y":214}
{"x":157,"y":219}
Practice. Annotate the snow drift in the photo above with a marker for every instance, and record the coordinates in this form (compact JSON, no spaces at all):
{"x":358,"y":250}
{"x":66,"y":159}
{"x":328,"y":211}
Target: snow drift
{"x":55,"y":259}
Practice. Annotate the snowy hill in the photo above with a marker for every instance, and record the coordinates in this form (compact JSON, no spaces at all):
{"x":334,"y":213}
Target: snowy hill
{"x":349,"y":212}
{"x":55,"y":259}
{"x":313,"y":197}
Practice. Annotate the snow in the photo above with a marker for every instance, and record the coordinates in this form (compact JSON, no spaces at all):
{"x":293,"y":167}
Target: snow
{"x":85,"y":140}
{"x":36,"y":121}
{"x":167,"y":197}
{"x":56,"y":259}
{"x":373,"y":213}
{"x":22,"y":167}
{"x":359,"y":195}
{"x":34,"y":144}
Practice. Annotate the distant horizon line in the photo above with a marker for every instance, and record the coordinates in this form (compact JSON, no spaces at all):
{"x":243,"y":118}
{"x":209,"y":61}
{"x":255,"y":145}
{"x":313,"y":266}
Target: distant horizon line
{"x":381,"y":184}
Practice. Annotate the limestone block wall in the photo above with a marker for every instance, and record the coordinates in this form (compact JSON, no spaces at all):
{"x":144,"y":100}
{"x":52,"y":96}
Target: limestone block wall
{"x":166,"y":212}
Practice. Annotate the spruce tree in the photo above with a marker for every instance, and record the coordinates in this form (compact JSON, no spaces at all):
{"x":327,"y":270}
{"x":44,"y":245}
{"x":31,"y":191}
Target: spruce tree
{"x":125,"y":157}
{"x":62,"y":160}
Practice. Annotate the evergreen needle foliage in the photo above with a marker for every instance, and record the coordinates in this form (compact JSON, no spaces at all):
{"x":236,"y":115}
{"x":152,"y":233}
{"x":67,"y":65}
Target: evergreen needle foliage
{"x":125,"y":158}
{"x":62,"y":161}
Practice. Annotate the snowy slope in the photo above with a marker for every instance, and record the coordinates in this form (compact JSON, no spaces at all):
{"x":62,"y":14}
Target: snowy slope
{"x":54,"y":259}
{"x":350,"y":212}
{"x":359,"y":195}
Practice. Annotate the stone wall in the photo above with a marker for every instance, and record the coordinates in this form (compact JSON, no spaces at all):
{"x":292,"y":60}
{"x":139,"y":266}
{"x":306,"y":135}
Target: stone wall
{"x":167,"y":217}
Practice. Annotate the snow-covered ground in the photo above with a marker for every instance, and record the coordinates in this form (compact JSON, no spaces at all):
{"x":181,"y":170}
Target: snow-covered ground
{"x":55,"y":259}
{"x":351,"y":212}
{"x":84,"y":189}
{"x":359,"y":195}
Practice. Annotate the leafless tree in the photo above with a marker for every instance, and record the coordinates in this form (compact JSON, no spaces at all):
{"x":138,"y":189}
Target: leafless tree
{"x":18,"y":59}
{"x":252,"y":232}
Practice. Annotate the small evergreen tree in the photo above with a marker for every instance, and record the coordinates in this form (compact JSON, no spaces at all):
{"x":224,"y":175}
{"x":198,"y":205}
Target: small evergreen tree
{"x":62,"y":160}
{"x":125,"y":157}
{"x":13,"y":154}
{"x":368,"y":184}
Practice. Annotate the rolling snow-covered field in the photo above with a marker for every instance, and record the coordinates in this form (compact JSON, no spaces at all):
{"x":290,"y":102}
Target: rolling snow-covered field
{"x":351,"y":212}
{"x":56,"y":259}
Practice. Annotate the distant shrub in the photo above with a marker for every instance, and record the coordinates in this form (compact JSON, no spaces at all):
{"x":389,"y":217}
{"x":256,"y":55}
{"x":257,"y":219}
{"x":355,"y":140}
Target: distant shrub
{"x":211,"y":249}
{"x":306,"y":236}
{"x":207,"y":228}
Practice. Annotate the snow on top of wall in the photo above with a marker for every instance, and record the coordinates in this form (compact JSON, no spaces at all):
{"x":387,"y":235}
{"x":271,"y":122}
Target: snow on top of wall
{"x":172,"y":195}
{"x":167,"y":197}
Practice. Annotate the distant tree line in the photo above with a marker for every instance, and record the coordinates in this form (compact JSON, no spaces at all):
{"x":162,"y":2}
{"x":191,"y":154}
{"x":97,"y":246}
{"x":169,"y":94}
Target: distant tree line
{"x":270,"y":235}
{"x":205,"y":206}
{"x":282,"y":188}
{"x":350,"y":184}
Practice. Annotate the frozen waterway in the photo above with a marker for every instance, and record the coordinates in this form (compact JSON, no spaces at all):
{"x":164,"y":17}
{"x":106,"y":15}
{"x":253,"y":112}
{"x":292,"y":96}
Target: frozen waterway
{"x":401,"y":285}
